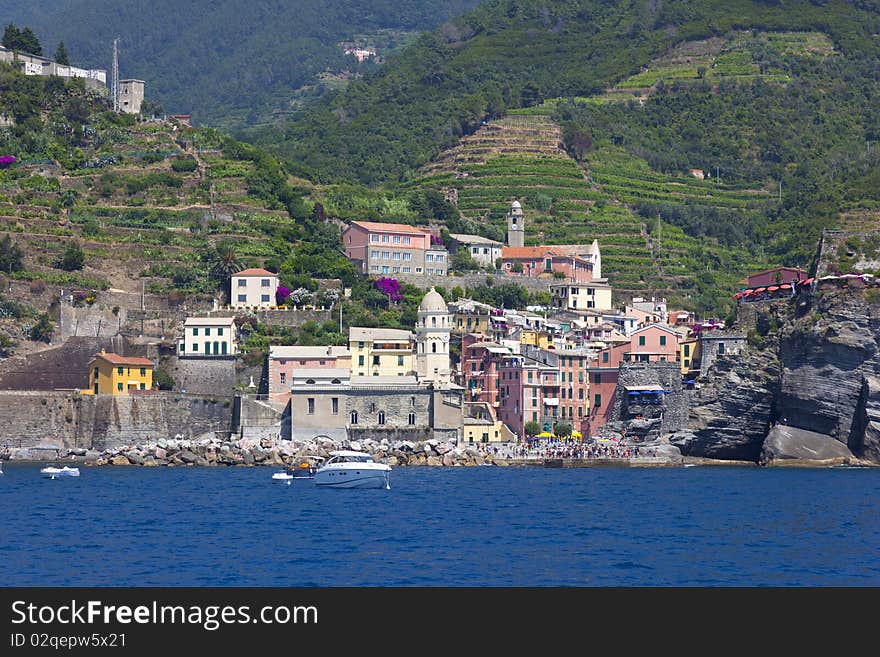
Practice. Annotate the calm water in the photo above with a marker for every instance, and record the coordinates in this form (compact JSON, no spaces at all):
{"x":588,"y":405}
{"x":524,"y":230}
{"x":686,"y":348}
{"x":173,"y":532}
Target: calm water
{"x":701,"y":526}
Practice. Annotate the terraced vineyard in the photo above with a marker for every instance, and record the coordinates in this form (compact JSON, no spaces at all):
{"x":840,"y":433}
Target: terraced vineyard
{"x":521,"y":158}
{"x":134,"y":215}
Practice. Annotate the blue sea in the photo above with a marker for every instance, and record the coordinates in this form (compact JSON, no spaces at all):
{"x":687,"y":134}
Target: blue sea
{"x":485,"y":526}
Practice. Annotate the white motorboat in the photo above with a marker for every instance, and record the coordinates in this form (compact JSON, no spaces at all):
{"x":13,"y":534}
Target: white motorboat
{"x":348,"y":469}
{"x":282,"y":476}
{"x":52,"y":472}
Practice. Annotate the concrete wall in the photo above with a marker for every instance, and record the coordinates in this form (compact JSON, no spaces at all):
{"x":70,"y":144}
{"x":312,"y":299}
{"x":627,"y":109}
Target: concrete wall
{"x":203,"y":376}
{"x":473,"y":280}
{"x":68,"y":419}
{"x":290,"y":318}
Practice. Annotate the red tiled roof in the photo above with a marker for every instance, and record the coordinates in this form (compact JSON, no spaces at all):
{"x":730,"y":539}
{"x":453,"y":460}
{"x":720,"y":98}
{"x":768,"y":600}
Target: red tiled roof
{"x":526,"y":251}
{"x":254,"y":272}
{"x":116,"y":359}
{"x":396,"y":228}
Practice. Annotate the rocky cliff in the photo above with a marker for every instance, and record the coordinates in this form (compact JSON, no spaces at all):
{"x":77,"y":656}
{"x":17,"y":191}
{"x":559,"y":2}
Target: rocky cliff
{"x":812,"y":367}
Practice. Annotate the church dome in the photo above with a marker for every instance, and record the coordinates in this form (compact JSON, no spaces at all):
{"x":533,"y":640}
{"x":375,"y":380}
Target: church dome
{"x":515,"y":205}
{"x":432,"y":302}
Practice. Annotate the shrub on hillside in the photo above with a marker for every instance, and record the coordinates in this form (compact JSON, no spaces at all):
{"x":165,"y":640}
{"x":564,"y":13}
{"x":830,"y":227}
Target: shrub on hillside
{"x":184,"y":164}
{"x":72,"y":258}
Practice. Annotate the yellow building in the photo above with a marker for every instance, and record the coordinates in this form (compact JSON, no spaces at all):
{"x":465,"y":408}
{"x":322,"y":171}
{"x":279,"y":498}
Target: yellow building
{"x":380,"y":352}
{"x":688,"y":353}
{"x":112,"y":374}
{"x":482,"y":426}
{"x":535,"y":338}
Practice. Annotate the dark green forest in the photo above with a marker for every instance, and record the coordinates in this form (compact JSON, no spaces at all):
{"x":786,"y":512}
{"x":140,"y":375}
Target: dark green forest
{"x":230,"y":63}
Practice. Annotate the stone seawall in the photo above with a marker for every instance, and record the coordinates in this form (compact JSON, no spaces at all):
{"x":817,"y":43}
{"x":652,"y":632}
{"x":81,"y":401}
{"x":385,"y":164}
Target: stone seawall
{"x":70,"y":420}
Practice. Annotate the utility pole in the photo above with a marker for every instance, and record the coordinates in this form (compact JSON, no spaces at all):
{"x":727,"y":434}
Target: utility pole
{"x":114,"y":84}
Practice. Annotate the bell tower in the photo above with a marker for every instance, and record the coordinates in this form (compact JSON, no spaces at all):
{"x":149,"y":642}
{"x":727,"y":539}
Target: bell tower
{"x":433,"y":329}
{"x":516,"y":230}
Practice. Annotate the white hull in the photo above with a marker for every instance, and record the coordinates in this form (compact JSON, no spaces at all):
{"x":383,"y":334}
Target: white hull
{"x":376,"y":479}
{"x":53,"y":473}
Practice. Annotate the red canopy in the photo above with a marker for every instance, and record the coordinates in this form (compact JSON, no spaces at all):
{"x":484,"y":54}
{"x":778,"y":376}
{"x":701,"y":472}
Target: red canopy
{"x":761,"y":289}
{"x":785,"y":286}
{"x":738,"y":295}
{"x":773,"y":288}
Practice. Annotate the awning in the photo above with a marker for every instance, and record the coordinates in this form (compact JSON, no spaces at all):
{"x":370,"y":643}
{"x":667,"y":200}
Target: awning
{"x":760,"y":289}
{"x":738,"y":295}
{"x":653,"y":388}
{"x":785,"y":286}
{"x":773,"y":288}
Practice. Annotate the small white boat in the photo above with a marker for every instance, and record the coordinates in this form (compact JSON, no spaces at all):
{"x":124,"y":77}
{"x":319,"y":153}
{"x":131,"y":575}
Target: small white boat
{"x":282,"y":476}
{"x":52,"y":472}
{"x":348,"y":469}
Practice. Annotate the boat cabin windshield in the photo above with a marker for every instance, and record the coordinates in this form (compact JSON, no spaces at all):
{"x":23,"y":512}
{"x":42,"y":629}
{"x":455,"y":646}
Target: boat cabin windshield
{"x":350,"y":457}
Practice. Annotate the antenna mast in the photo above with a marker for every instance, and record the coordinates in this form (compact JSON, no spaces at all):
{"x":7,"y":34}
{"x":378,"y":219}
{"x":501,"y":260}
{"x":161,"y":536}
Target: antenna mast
{"x":114,"y":84}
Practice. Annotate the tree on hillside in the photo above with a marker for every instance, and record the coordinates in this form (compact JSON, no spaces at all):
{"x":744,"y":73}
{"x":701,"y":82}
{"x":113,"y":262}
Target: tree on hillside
{"x":225,"y":261}
{"x":22,"y":40}
{"x":61,"y":56}
{"x":461,"y":261}
{"x":42,"y":330}
{"x":10,"y":256}
{"x":72,"y":258}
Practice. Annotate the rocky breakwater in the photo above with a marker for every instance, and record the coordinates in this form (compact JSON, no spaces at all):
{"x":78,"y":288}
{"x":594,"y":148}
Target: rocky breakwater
{"x":214,"y":450}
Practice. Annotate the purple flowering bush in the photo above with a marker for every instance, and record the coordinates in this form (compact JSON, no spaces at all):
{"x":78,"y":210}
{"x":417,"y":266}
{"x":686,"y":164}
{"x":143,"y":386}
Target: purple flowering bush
{"x":390,"y":287}
{"x":281,"y":294}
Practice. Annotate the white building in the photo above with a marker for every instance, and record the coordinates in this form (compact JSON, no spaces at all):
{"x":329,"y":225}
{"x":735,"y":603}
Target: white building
{"x":254,"y":289}
{"x":131,"y":96}
{"x":433,"y":329}
{"x":36,"y":65}
{"x":582,"y":296}
{"x":205,"y":337}
{"x":483,"y":250}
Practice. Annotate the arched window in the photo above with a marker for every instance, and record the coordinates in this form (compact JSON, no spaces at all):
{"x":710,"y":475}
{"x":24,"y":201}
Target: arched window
{"x":335,"y":381}
{"x":381,"y":417}
{"x":310,"y":381}
{"x":433,"y":321}
{"x":434,"y":347}
{"x":372,"y":407}
{"x":354,"y":417}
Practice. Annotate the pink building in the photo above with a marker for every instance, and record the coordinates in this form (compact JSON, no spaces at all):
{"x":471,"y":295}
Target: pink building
{"x":379,"y":249}
{"x":775,"y":276}
{"x":283,"y":361}
{"x":480,"y":363}
{"x":574,"y":389}
{"x":529,"y":393}
{"x":532,"y":261}
{"x":652,"y":343}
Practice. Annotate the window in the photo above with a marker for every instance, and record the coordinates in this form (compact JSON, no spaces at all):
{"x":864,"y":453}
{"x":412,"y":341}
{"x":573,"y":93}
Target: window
{"x":381,"y":417}
{"x":386,"y":255}
{"x":354,"y":417}
{"x":412,"y":418}
{"x":195,"y":332}
{"x":385,"y":269}
{"x":580,"y":393}
{"x":96,"y":372}
{"x":418,"y":270}
{"x":334,"y":405}
{"x":597,"y":401}
{"x":407,"y":270}
{"x":265,"y":282}
{"x":605,"y":357}
{"x":407,"y":256}
{"x":119,"y":370}
{"x":597,"y":378}
{"x":385,"y":238}
{"x":242,"y":298}
{"x":407,"y":240}
{"x":143,"y":386}
{"x":412,"y":402}
{"x":429,"y":257}
{"x":207,"y":332}
{"x":439,"y":272}
{"x":242,"y":282}
{"x":264,"y":298}
{"x":283,"y":378}
{"x":662,"y":340}
{"x":395,"y":270}
{"x":439,"y":257}
{"x":375,"y":360}
{"x":687,"y":350}
{"x":720,"y":348}
{"x":580,"y":411}
{"x":687,"y":362}
{"x":591,"y":291}
{"x":119,"y":386}
{"x":311,"y":401}
{"x":372,"y":407}
{"x":430,"y":270}
{"x":374,"y":267}
{"x":374,"y":238}
{"x":485,"y":437}
{"x":374,"y":254}
{"x":395,"y":255}
{"x":641,"y":340}
{"x":396,"y":239}
{"x":475,"y":250}
{"x":143,"y":371}
{"x":360,"y":345}
{"x":433,"y":347}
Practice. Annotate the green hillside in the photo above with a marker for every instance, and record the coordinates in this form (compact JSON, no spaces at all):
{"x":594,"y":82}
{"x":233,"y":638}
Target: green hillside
{"x":231,"y":63}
